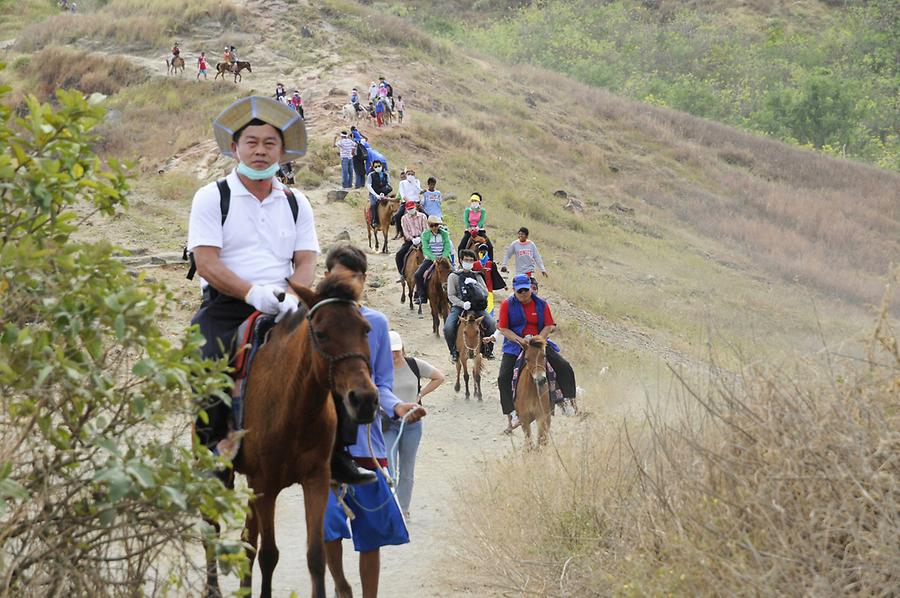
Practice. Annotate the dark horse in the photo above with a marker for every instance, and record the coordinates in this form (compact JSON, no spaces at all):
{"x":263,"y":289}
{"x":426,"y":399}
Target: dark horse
{"x":235,"y":69}
{"x":437,"y":293}
{"x":313,"y":357}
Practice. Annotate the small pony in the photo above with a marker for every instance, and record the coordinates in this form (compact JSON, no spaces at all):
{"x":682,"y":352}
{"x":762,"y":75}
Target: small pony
{"x":533,"y":392}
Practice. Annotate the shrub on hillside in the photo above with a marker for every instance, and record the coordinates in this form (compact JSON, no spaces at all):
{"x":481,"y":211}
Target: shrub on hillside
{"x":99,"y":493}
{"x":67,"y":68}
{"x":764,"y":483}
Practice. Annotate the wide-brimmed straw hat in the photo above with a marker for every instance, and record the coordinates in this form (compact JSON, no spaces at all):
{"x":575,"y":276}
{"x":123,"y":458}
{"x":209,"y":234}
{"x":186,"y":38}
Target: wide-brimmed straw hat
{"x":278,"y":115}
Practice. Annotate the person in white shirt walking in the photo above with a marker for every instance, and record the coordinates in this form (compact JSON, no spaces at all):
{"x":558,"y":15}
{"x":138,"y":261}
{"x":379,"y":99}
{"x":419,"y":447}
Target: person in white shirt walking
{"x":528,"y":258}
{"x":347,"y":148}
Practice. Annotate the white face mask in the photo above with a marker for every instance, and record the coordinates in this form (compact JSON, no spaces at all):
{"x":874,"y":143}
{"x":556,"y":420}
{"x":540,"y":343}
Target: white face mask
{"x":377,"y":169}
{"x":476,"y":205}
{"x":467,"y":265}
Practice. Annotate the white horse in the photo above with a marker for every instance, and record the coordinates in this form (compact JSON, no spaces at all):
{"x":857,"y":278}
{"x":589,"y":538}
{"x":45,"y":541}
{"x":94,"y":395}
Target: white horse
{"x":349,"y":113}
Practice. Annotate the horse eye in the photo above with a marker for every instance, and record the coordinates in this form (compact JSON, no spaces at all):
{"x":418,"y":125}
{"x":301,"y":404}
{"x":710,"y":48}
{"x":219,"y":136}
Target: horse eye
{"x":321,"y":335}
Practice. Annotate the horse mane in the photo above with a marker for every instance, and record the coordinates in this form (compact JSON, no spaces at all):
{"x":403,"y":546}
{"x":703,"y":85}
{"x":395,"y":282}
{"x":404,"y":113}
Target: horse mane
{"x":537,"y":341}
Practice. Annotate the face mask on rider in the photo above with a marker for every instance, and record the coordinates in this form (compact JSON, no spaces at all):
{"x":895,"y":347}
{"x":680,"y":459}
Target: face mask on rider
{"x":475,"y":205}
{"x":466,"y":265}
{"x":376,"y":168}
{"x":252,"y":173}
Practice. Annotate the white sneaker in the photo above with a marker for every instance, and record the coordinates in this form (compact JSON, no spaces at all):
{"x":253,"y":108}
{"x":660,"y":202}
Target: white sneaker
{"x":514,"y":421}
{"x":568,"y":407}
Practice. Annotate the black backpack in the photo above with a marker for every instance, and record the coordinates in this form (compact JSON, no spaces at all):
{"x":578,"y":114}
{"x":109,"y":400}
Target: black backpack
{"x":224,"y":205}
{"x":473,"y":293}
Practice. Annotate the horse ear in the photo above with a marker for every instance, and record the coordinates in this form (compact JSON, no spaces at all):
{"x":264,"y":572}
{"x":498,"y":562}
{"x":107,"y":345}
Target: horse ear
{"x":479,"y":319}
{"x":308,"y":296}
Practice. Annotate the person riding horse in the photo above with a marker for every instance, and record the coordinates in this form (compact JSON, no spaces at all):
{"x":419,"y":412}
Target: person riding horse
{"x":280,"y":93}
{"x":245,"y":260}
{"x":413,"y":224}
{"x":436,"y":243}
{"x":176,"y":51}
{"x":378,"y":183}
{"x":473,"y":222}
{"x":523,"y":315}
{"x":467,"y":292}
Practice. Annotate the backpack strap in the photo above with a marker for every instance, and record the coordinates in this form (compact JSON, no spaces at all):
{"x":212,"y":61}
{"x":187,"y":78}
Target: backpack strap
{"x":292,"y":199}
{"x":411,"y":362}
{"x":224,"y":205}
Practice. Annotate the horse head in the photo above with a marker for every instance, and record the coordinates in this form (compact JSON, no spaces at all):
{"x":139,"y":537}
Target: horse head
{"x":243,"y":64}
{"x":470,"y":326}
{"x":338,"y":333}
{"x":536,"y":358}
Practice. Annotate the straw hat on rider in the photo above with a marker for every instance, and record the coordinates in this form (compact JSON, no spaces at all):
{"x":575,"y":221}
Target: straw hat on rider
{"x":434,"y":219}
{"x":278,"y":115}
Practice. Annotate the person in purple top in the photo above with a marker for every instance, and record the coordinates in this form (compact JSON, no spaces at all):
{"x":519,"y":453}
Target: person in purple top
{"x":377,"y":518}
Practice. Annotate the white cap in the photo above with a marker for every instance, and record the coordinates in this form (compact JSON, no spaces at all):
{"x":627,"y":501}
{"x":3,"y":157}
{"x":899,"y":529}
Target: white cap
{"x":396,"y":341}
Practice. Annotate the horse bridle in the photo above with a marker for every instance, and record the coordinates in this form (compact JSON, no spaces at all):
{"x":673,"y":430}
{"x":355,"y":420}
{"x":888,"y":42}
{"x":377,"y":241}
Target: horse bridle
{"x":332,"y":359}
{"x":465,"y":344}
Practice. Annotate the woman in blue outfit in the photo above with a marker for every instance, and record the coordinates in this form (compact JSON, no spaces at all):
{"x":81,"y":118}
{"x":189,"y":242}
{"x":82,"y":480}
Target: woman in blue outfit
{"x":408,"y":375}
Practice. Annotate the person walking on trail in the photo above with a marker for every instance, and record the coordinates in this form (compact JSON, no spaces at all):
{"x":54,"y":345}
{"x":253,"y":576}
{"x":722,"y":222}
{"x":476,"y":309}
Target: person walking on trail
{"x":523,"y":315}
{"x":296,"y":102}
{"x":528,"y":258}
{"x":378,"y":184}
{"x":346,"y":147}
{"x":408,"y":375}
{"x":379,"y":112}
{"x":202,"y":66}
{"x":356,"y":135}
{"x":280,"y":93}
{"x":467,"y":292}
{"x":360,"y":154}
{"x":436,"y":243}
{"x":377,"y":518}
{"x":400,"y":108}
{"x":413,"y":224}
{"x":432,"y":199}
{"x":410,"y":191}
{"x":473,"y":221}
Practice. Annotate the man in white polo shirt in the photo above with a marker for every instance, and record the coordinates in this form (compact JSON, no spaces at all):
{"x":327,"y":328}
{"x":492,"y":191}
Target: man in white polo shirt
{"x":245,"y":247}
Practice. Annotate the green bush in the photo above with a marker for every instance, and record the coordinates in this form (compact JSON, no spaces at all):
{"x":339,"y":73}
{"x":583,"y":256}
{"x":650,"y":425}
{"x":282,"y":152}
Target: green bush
{"x":99,"y":486}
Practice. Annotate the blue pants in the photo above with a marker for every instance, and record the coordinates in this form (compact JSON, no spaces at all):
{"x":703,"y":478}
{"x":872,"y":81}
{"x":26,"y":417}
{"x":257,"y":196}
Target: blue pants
{"x":405,"y":456}
{"x":373,"y":206}
{"x":346,"y":172}
{"x":487,"y":325}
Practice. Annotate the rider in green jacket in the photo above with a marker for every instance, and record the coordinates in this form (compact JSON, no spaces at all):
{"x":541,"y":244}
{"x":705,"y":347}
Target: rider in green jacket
{"x":436,"y":244}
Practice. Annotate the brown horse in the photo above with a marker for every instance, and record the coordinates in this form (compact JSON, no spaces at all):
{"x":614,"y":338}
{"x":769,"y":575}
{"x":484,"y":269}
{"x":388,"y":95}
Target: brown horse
{"x":235,"y":69}
{"x":313,"y":358}
{"x":387,"y":207}
{"x":533,"y":391}
{"x":468,"y":345}
{"x":437,"y":293}
{"x":414,"y":259}
{"x":172,"y":65}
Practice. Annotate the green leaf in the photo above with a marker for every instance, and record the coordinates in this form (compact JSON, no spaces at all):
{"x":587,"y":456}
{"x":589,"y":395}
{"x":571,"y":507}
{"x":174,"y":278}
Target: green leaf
{"x":176,"y":496}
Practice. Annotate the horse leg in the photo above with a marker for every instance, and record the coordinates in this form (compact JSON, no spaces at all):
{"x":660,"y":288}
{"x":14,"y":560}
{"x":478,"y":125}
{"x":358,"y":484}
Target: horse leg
{"x":212,"y":567}
{"x":465,"y":361}
{"x":458,"y":370}
{"x":264,"y":506}
{"x":477,"y":374}
{"x":384,"y":249}
{"x":525,"y":420}
{"x":251,"y":537}
{"x":315,"y":499}
{"x":543,"y":423}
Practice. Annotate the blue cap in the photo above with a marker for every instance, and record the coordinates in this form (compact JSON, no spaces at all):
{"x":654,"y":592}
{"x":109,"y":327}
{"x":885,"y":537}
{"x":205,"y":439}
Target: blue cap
{"x":521,"y":282}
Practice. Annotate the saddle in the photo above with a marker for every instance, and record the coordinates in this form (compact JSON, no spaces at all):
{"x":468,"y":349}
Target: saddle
{"x":251,"y":335}
{"x":428,"y":273}
{"x":556,"y":395}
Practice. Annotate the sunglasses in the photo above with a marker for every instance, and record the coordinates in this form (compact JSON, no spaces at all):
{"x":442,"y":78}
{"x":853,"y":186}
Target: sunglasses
{"x":434,"y":226}
{"x":523,"y":290}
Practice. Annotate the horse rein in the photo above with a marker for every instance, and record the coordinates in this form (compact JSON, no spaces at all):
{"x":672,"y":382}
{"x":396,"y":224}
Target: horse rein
{"x":466,"y":345}
{"x":332,"y":359}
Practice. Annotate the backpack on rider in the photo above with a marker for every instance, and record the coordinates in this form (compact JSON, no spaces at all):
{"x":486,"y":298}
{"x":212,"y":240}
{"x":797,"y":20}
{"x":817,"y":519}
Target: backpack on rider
{"x":473,"y":293}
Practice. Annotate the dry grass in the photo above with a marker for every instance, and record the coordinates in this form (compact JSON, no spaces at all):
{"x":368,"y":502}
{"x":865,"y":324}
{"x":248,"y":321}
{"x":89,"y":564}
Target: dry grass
{"x":65,"y":68}
{"x":129,"y":24}
{"x":763,"y":483}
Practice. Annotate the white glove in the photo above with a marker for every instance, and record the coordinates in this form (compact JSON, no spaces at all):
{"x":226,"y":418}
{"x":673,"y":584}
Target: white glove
{"x":417,"y":240}
{"x":287,"y":306}
{"x":264,"y":298}
{"x":471,"y":281}
{"x":466,"y":305}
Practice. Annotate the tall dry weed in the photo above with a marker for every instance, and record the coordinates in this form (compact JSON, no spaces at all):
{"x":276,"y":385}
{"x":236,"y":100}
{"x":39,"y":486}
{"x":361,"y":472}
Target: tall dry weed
{"x":762,"y":482}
